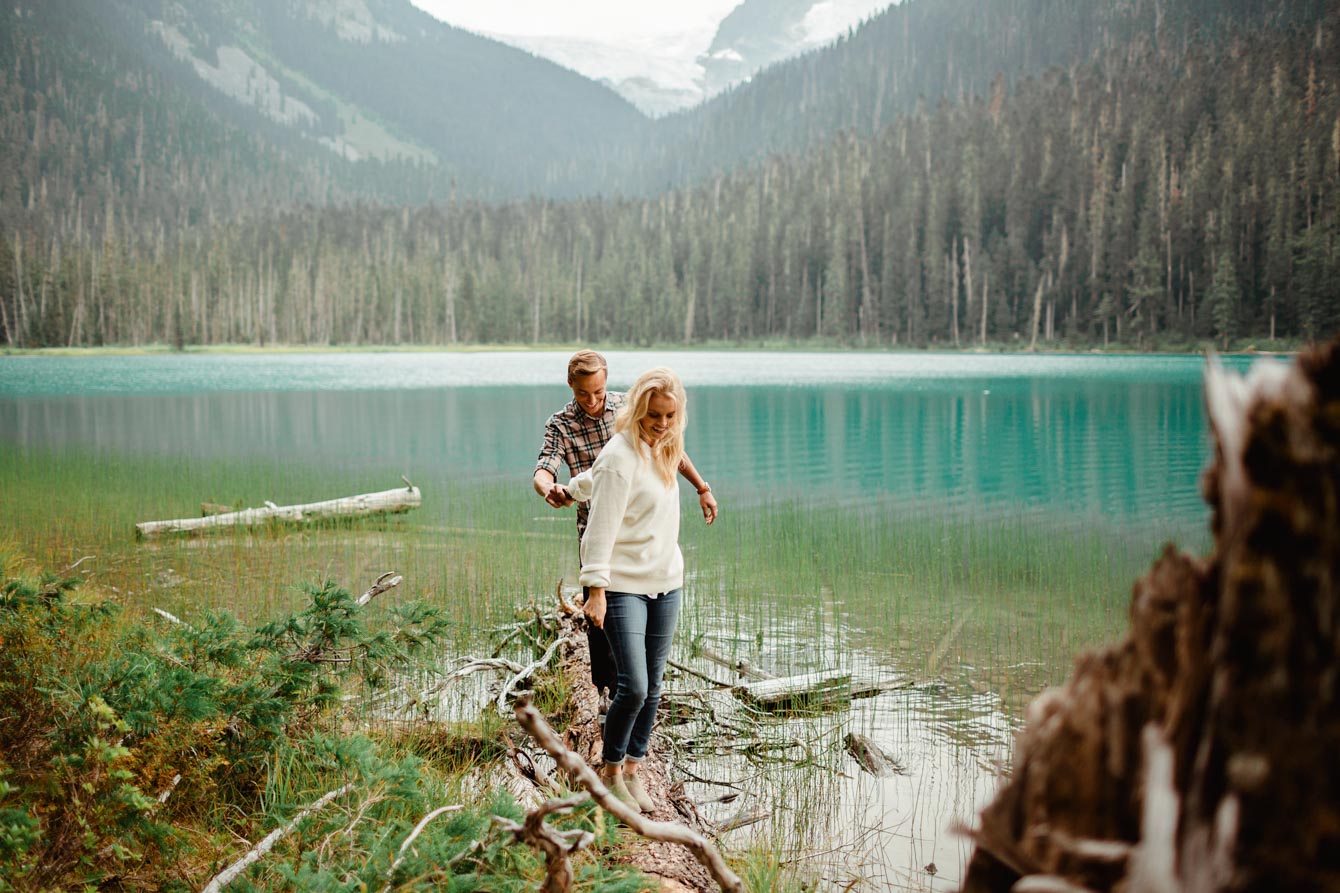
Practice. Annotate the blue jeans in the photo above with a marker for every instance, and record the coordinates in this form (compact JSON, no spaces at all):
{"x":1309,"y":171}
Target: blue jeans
{"x":640,"y":630}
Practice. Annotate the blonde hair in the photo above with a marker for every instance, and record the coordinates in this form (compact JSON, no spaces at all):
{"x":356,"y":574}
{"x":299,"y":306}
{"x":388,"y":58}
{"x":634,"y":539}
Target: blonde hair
{"x":669,"y":451}
{"x":585,"y":362}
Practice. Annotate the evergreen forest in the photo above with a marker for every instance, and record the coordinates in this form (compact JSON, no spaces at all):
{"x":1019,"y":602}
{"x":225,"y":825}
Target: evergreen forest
{"x":1036,"y":175}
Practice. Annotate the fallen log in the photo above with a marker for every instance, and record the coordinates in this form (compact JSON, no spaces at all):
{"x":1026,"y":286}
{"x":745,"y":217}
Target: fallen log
{"x":669,"y":832}
{"x":399,"y":500}
{"x":1199,"y":753}
{"x":809,"y":689}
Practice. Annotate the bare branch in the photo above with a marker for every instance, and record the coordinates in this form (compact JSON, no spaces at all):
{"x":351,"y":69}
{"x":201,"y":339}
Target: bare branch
{"x":527,"y":671}
{"x":418,"y":829}
{"x":231,"y":873}
{"x":556,"y":845}
{"x":701,"y":848}
{"x":388,"y":580}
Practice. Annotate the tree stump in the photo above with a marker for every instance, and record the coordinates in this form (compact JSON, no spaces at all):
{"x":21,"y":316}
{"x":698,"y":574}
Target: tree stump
{"x":1200,"y":753}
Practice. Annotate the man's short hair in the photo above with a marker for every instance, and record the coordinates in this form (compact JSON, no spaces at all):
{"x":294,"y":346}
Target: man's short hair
{"x":585,"y":362}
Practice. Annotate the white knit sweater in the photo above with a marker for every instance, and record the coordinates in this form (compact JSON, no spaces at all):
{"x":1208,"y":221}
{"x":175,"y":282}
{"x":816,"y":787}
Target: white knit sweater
{"x":631,"y":542}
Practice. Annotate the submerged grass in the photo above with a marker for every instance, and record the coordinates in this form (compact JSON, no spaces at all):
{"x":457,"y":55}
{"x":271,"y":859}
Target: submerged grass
{"x":993,"y":603}
{"x":925,"y":592}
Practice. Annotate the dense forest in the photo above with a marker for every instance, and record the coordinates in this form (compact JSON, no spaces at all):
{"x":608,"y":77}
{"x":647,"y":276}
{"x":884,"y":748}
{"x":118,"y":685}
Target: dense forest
{"x":1152,"y":190}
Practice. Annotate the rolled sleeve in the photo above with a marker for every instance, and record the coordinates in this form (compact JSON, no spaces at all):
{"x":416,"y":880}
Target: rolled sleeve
{"x":551,"y":452}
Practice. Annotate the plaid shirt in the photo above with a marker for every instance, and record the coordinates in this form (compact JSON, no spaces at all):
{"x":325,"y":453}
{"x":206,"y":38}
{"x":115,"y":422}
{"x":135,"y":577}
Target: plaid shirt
{"x":574,"y":437}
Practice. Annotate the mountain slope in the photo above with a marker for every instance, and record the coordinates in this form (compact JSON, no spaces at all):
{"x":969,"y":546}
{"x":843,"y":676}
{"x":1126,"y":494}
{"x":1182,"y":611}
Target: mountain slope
{"x":207,"y":108}
{"x":922,"y":52}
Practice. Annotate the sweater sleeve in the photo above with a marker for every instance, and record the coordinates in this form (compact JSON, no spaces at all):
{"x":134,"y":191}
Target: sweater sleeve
{"x":581,"y":486}
{"x":609,"y":490}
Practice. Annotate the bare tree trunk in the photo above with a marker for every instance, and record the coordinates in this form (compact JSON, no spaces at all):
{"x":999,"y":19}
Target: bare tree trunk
{"x":967,"y":285}
{"x":986,"y":280}
{"x":20,"y":300}
{"x":577,"y":293}
{"x":1037,"y":310}
{"x":449,"y":286}
{"x":953,"y":290}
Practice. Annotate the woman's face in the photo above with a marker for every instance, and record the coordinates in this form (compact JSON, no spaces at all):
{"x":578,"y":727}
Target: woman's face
{"x":659,"y":420}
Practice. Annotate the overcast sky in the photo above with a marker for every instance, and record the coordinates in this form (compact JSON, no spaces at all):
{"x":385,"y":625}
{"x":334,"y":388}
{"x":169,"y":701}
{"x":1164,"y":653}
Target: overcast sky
{"x":598,"y":19}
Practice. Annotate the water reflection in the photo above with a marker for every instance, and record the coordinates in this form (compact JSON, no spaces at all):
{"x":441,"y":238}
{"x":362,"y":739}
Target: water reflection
{"x":886,"y":831}
{"x":1124,"y":450}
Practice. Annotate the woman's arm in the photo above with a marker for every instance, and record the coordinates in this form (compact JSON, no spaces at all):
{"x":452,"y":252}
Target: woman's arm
{"x":609,"y":500}
{"x":706,"y":501}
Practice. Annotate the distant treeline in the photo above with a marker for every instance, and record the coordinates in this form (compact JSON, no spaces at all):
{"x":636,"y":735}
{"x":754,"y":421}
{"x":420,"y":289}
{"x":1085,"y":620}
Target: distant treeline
{"x":1153,"y":190}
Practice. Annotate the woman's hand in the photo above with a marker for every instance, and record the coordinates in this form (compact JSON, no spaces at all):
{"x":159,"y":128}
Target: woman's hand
{"x":594,"y":609}
{"x":708,"y":503}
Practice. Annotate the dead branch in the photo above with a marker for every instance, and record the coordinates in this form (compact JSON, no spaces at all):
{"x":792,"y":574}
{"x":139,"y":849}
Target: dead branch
{"x":231,"y":873}
{"x":695,"y":674}
{"x":741,"y":666}
{"x":529,"y":670}
{"x":577,"y":769}
{"x":171,"y":618}
{"x":79,"y":562}
{"x":388,"y":580}
{"x":418,"y":829}
{"x":556,"y":845}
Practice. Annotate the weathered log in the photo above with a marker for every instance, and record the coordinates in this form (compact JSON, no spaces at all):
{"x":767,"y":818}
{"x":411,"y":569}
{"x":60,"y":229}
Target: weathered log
{"x":1199,"y":753}
{"x":812,"y":689}
{"x":668,"y":832}
{"x":398,"y":500}
{"x":869,"y":757}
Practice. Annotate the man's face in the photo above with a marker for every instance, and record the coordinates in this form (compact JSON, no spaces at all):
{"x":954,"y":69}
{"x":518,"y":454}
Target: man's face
{"x":589,"y":392}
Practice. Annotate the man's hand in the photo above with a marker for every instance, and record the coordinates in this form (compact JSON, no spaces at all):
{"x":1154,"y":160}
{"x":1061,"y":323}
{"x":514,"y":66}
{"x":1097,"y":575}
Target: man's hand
{"x":558,"y":496}
{"x":553,"y":492}
{"x":708,"y":503}
{"x":594,"y":609}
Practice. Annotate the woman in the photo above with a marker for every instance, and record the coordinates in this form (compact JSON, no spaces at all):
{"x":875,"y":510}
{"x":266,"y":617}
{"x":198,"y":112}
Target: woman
{"x":632,"y":564}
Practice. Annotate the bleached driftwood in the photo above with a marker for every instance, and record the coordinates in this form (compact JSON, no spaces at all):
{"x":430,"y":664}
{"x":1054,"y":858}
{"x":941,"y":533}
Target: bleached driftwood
{"x":231,"y":873}
{"x":826,"y":687}
{"x":399,"y":500}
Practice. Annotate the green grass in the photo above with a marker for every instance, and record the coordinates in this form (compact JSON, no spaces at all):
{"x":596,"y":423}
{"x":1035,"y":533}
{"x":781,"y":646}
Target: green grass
{"x":925,"y":592}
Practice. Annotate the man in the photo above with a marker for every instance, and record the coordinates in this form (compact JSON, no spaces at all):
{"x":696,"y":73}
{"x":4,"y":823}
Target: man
{"x":576,"y":434}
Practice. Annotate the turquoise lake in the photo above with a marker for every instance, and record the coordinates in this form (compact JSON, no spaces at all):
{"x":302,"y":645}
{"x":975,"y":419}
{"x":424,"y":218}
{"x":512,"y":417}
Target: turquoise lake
{"x":1121,"y":438}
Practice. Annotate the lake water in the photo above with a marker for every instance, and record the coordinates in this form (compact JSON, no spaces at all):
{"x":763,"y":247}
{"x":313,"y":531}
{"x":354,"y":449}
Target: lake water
{"x":1119,"y":437}
{"x":1112,"y":444}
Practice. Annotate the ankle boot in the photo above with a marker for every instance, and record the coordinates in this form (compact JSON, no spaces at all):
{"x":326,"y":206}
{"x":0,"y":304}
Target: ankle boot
{"x":620,"y":790}
{"x":634,"y":784}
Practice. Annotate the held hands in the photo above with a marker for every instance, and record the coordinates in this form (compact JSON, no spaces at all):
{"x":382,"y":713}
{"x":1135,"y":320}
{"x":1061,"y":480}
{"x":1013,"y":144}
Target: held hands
{"x":558,"y":496}
{"x":594,"y":609}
